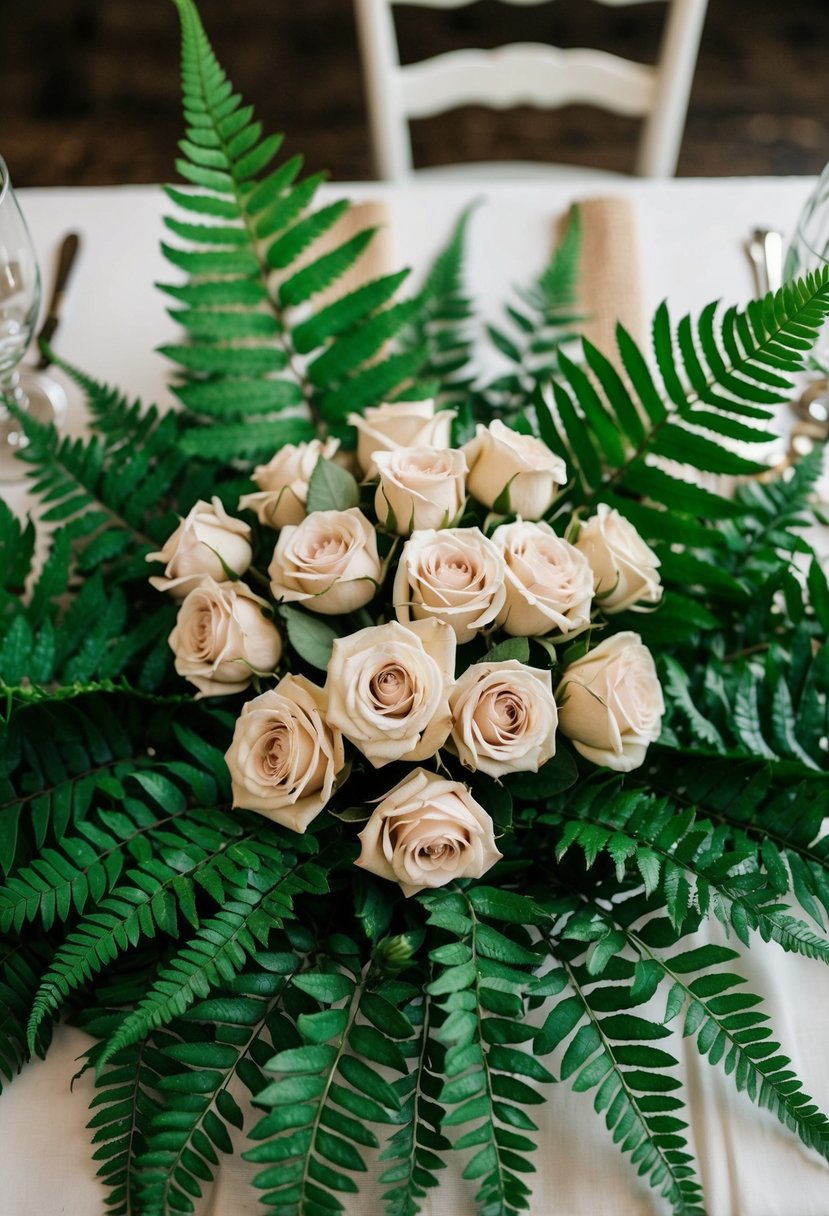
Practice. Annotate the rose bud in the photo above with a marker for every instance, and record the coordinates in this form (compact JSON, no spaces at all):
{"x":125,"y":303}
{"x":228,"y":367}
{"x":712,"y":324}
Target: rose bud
{"x":610,"y":703}
{"x":207,"y":543}
{"x":625,"y":569}
{"x":501,"y":459}
{"x":283,"y":482}
{"x":401,"y":424}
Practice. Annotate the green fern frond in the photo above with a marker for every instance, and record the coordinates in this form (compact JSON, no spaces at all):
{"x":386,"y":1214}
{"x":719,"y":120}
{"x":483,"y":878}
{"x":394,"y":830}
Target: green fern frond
{"x":226,"y":1038}
{"x":613,"y":1052}
{"x":126,"y":1091}
{"x":138,"y":809}
{"x":416,"y":1146}
{"x":329,"y":1089}
{"x":729,"y":1030}
{"x":248,"y":220}
{"x":54,"y":760}
{"x":17,"y":544}
{"x":210,"y":852}
{"x":442,"y":324}
{"x":20,"y":964}
{"x":682,"y":411}
{"x":547,"y":319}
{"x":482,"y":978}
{"x":221,"y":945}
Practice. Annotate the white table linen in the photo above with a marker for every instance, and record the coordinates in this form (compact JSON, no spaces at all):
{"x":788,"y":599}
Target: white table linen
{"x":691,"y":237}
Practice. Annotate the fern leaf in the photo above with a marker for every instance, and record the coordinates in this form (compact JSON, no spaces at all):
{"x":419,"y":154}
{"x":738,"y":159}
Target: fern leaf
{"x":221,"y":1041}
{"x":613,"y":1052}
{"x":483,"y":1075}
{"x":258,"y":220}
{"x":216,"y":952}
{"x":325,"y":1097}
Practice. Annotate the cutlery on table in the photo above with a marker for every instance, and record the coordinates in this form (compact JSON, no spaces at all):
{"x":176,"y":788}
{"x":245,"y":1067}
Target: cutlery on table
{"x":765,"y":249}
{"x":66,"y":260}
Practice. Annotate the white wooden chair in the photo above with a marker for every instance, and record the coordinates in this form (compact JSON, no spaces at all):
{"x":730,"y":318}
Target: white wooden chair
{"x":527,"y":73}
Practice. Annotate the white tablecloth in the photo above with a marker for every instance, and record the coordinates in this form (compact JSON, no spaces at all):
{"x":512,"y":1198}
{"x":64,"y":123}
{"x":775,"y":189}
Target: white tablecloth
{"x":692,"y":234}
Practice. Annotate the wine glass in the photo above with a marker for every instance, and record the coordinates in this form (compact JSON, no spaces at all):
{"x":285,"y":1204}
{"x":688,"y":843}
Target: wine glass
{"x":809,"y":250}
{"x":19,"y":304}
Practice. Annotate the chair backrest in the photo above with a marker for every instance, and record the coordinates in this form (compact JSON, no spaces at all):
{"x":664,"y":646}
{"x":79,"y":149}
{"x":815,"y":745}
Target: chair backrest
{"x":528,"y":73}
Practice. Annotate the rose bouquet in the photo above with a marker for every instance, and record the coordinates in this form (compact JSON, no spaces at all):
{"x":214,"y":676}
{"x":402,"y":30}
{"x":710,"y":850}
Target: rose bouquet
{"x":450,"y":711}
{"x":394,"y":690}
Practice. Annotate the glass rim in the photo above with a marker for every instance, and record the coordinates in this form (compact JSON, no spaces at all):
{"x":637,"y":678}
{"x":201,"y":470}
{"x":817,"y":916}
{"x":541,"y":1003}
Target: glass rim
{"x":5,"y":180}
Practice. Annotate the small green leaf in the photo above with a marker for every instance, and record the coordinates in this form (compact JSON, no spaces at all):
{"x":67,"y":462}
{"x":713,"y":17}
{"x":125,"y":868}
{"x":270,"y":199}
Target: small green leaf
{"x":310,"y":637}
{"x":332,"y":488}
{"x":517,"y":649}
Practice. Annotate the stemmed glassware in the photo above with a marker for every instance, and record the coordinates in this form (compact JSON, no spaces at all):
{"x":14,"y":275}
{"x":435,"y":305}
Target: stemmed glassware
{"x":19,"y":304}
{"x":809,"y":250}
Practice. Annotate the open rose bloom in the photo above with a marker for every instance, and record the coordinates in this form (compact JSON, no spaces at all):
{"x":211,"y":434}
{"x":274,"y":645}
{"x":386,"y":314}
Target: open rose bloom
{"x":426,"y":832}
{"x":388,"y":689}
{"x":285,"y":757}
{"x":223,"y":638}
{"x":329,"y":562}
{"x":504,"y":718}
{"x":455,"y":576}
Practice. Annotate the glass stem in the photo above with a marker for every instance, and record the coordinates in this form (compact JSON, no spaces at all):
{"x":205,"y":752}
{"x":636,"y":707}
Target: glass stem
{"x":11,"y":389}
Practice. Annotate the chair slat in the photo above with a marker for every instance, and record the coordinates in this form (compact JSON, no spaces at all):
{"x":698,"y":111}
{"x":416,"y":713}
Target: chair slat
{"x":525,"y":73}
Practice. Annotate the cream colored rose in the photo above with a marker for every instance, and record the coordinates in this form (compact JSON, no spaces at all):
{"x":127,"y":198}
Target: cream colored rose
{"x":501,"y":459}
{"x":455,"y":576}
{"x":610,"y":703}
{"x":205,"y":539}
{"x":222,"y":638}
{"x":419,"y":488}
{"x":427,"y":832}
{"x":625,"y":569}
{"x":329,"y":562}
{"x":388,"y":689}
{"x":283,"y":482}
{"x":549,"y":584}
{"x":285,"y":759}
{"x":504,"y":718}
{"x":401,"y":424}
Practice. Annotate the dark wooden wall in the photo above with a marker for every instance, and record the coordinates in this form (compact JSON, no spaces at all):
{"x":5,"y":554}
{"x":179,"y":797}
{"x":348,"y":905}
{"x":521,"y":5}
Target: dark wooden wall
{"x":89,"y":88}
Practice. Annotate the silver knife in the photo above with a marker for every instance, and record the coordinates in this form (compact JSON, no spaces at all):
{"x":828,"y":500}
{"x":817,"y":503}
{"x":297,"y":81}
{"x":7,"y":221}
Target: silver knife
{"x":66,"y":259}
